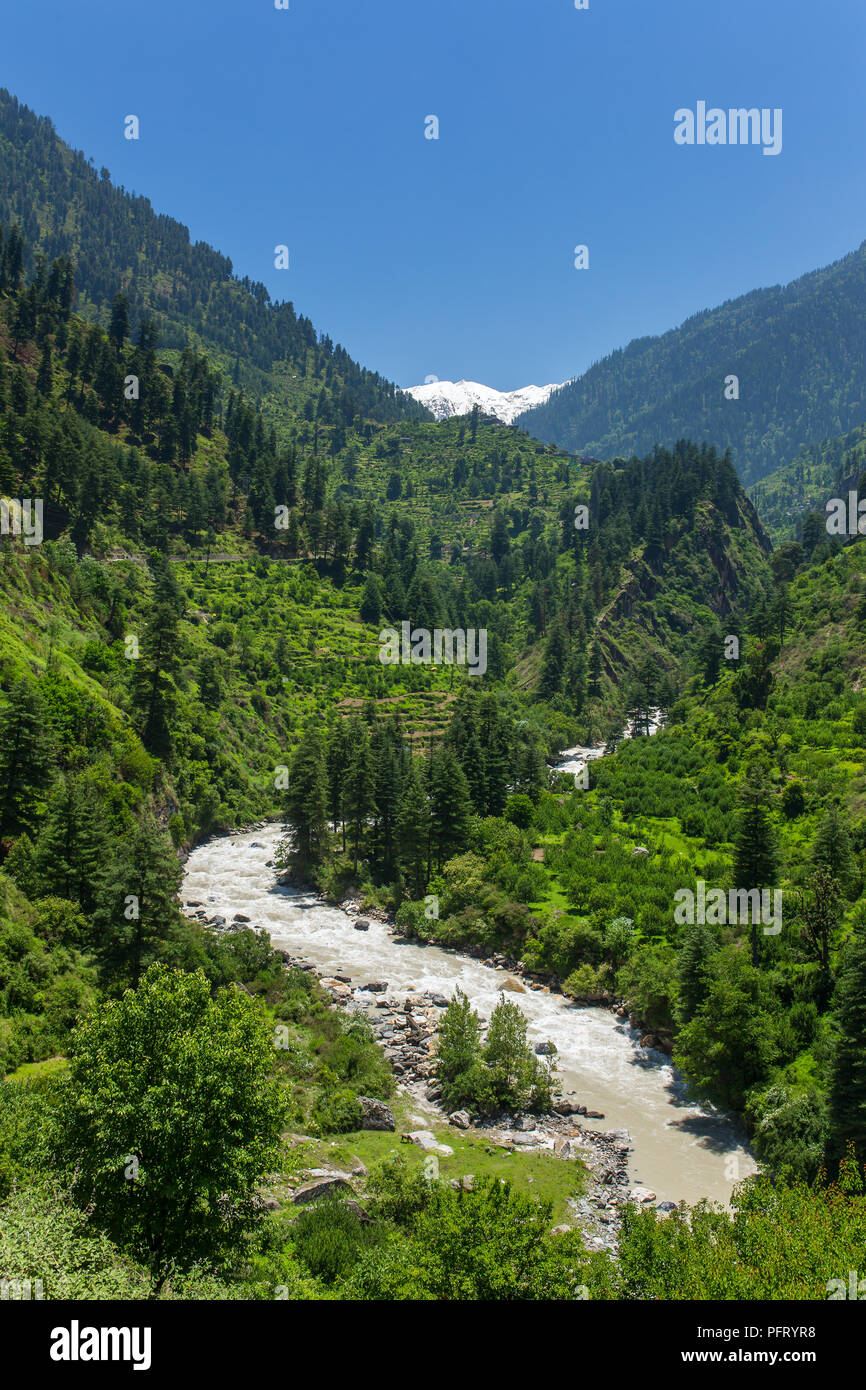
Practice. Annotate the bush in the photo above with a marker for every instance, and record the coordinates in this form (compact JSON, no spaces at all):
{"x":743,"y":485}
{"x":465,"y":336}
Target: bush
{"x":339,"y":1112}
{"x":329,"y":1237}
{"x":518,"y":810}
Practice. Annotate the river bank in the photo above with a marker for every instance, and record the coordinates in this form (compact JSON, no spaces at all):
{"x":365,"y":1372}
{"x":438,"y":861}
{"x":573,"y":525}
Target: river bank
{"x":679,"y":1151}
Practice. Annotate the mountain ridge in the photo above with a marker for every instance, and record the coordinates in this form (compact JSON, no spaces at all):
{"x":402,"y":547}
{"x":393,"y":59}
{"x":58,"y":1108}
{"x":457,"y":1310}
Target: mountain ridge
{"x":765,"y":374}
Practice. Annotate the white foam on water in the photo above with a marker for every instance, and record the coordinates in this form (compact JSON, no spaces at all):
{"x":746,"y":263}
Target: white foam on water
{"x":681,"y":1150}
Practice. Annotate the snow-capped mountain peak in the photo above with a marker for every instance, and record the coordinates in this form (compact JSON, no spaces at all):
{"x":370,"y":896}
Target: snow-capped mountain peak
{"x":447,"y":398}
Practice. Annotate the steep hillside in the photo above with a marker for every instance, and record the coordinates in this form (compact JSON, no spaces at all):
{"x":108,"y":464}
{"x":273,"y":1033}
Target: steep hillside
{"x":64,"y":207}
{"x":798,"y":351}
{"x":829,"y":469}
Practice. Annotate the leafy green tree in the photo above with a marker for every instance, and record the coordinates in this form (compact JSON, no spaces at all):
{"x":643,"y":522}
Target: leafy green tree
{"x":170,"y":1117}
{"x":490,"y":1243}
{"x":777,"y":1241}
{"x":508,"y":1057}
{"x":819,"y":909}
{"x":458,"y":1050}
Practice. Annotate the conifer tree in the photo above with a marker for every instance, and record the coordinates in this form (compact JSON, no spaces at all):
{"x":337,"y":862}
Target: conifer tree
{"x":756,"y":857}
{"x":137,"y":918}
{"x":304,"y":803}
{"x":847,"y":1090}
{"x":413,"y":831}
{"x":25,"y":762}
{"x":359,"y":789}
{"x":699,"y":946}
{"x":71,"y":842}
{"x":451,"y":806}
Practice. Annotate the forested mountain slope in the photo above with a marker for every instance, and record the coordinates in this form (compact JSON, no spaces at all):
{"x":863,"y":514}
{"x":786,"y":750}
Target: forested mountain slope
{"x":64,"y":207}
{"x":787,"y":498}
{"x":798,"y":352}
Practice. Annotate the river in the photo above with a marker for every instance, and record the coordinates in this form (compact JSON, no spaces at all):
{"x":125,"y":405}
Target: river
{"x":681,"y":1151}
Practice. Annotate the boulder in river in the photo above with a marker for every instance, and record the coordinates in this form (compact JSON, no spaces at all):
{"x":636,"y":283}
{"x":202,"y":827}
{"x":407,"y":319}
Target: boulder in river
{"x":361,"y":924}
{"x":375,"y":987}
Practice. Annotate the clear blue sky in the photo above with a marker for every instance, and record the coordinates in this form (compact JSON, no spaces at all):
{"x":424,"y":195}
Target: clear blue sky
{"x":455,"y":257}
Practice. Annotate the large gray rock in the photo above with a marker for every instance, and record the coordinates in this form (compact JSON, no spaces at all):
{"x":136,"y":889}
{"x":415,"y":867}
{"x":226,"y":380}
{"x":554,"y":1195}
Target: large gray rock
{"x":314,"y":1191}
{"x":376,"y":986}
{"x":460,"y":1119}
{"x":376,"y":1114}
{"x":426,"y":1140}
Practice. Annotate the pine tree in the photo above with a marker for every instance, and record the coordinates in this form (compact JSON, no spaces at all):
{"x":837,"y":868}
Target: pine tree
{"x":118,"y":328}
{"x":413,"y":831}
{"x":372,"y":599}
{"x":359,"y":789}
{"x":756,"y":861}
{"x":553,"y":663}
{"x":154,"y":669}
{"x":71,"y":842}
{"x":137,"y":918}
{"x":698,"y":948}
{"x":847,"y":1089}
{"x":25,"y":759}
{"x":304,"y":804}
{"x":832,"y":848}
{"x":451,"y":806}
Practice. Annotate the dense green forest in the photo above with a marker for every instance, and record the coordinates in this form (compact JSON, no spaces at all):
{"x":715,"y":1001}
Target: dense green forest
{"x":791,"y":501}
{"x":193,"y":644}
{"x":796,"y":351}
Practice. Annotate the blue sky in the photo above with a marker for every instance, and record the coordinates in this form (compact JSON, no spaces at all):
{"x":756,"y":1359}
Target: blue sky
{"x":454,"y":258}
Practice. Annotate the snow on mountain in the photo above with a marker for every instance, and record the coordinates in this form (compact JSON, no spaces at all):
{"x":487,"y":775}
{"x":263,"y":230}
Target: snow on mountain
{"x":447,"y":398}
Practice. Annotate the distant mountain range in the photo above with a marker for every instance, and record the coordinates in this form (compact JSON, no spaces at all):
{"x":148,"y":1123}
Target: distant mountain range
{"x":446,"y":398}
{"x":766,"y":375}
